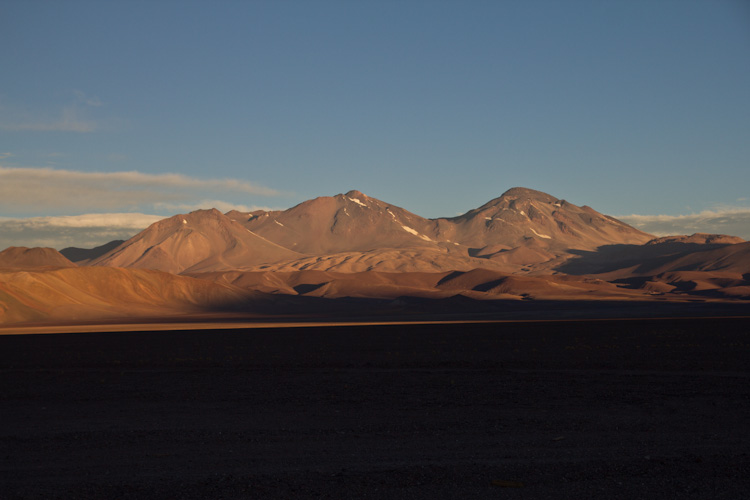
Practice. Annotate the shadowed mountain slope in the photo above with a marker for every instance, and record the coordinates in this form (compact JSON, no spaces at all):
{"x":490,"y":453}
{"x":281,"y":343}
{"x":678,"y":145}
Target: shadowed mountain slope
{"x":83,"y":255}
{"x":730,"y":258}
{"x":700,"y":252}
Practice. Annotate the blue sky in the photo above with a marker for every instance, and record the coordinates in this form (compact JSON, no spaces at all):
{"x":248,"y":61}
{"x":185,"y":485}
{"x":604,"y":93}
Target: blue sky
{"x":156,"y":108}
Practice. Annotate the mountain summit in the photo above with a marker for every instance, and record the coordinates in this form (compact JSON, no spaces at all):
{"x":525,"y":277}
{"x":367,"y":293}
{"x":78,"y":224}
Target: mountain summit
{"x":522,"y":215}
{"x":343,"y":223}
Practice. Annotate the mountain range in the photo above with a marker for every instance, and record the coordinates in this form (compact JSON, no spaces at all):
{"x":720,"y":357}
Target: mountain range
{"x":523,"y":245}
{"x":522,"y":230}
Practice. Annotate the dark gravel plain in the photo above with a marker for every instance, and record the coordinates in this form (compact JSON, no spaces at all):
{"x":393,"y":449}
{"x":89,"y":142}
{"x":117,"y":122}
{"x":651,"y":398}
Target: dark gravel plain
{"x":579,"y":409}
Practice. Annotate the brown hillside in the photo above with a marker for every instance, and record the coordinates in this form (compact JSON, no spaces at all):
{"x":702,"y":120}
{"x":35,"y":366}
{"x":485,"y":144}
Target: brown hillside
{"x":101,"y":292}
{"x":480,"y":284}
{"x":523,"y":215}
{"x":342,"y":223}
{"x":32,"y":258}
{"x":201,"y":240}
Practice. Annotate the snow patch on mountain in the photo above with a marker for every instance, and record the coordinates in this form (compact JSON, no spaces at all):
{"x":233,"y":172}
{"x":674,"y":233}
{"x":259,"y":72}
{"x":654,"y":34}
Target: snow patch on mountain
{"x":541,"y":235}
{"x":357,"y":201}
{"x":415,"y":233}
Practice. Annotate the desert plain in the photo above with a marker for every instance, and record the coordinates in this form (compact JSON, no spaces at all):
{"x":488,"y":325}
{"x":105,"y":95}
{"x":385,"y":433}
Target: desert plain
{"x":538,"y":409}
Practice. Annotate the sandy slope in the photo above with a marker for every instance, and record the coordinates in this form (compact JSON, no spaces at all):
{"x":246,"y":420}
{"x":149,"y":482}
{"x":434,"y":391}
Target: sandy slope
{"x":100,"y":292}
{"x":201,"y":240}
{"x":477,"y":284}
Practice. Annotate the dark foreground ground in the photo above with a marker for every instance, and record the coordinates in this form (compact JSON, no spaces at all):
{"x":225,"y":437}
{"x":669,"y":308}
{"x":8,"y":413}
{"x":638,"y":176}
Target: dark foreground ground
{"x":599,"y":409}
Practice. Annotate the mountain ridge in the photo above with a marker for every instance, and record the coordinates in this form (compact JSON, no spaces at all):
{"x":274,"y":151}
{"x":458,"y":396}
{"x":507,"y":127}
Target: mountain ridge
{"x":527,"y":223}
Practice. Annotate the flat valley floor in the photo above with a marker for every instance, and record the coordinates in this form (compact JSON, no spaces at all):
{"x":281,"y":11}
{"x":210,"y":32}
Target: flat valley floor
{"x":656,"y":408}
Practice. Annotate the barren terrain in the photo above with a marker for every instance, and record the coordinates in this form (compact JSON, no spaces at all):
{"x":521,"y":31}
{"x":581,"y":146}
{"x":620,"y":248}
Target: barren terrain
{"x":577,"y":409}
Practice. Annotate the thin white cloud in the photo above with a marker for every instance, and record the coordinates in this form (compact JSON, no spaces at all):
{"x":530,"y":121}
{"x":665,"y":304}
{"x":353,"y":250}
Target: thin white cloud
{"x":117,"y":157}
{"x":113,"y":220}
{"x":5,"y":155}
{"x":70,"y":118}
{"x":68,"y":121}
{"x":29,"y":190}
{"x":84,"y":231}
{"x":734,"y":221}
{"x":82,"y":98}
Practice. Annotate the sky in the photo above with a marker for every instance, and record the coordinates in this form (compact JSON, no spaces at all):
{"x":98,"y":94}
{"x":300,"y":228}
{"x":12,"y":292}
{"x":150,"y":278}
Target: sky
{"x":116,"y":114}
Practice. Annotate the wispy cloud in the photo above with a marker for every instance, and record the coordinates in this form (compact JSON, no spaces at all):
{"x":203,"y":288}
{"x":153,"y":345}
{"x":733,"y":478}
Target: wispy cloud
{"x":5,"y":155}
{"x":117,"y":157}
{"x":71,"y":117}
{"x":87,"y":231}
{"x":82,"y":98}
{"x":29,"y":190}
{"x":734,"y":221}
{"x":113,"y":220}
{"x":68,"y":122}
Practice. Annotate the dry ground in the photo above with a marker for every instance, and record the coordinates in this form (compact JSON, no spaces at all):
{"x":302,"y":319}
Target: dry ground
{"x":580,"y":409}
